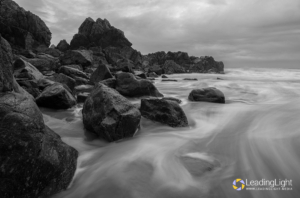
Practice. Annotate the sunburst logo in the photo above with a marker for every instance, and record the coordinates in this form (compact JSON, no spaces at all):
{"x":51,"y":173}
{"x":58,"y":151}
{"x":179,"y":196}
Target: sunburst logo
{"x":235,"y":183}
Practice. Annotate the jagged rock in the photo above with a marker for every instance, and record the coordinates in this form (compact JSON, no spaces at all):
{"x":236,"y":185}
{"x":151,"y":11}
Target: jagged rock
{"x":170,"y":67}
{"x":63,"y":46}
{"x":34,"y":161}
{"x":21,"y":28}
{"x":163,"y":111}
{"x":44,"y":62}
{"x":99,"y":33}
{"x":50,"y":51}
{"x":31,"y":86}
{"x":108,"y":114}
{"x":56,"y":96}
{"x":64,"y":79}
{"x":153,"y":75}
{"x":73,"y":73}
{"x":111,"y":82}
{"x":77,"y":57}
{"x":84,"y":88}
{"x":172,"y":99}
{"x":207,"y":64}
{"x":129,"y":86}
{"x":23,"y":69}
{"x":101,"y":73}
{"x":6,"y":60}
{"x":209,"y":94}
{"x":81,"y":97}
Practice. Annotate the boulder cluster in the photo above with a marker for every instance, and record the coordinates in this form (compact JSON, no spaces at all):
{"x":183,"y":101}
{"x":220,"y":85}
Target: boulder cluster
{"x":98,"y":68}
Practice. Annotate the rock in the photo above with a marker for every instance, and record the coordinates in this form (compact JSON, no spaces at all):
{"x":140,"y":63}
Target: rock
{"x":50,"y":51}
{"x":170,"y":67}
{"x":78,"y":67}
{"x":220,"y":79}
{"x":207,"y":64}
{"x":156,"y":69}
{"x":111,"y":82}
{"x":84,"y":88}
{"x":153,"y":75}
{"x":31,"y":86}
{"x":195,"y":79}
{"x":99,"y":33}
{"x":77,"y":57}
{"x":81,"y":81}
{"x":27,"y":53}
{"x":165,"y":80}
{"x":72,"y":72}
{"x":129,"y":86}
{"x":164,"y":76}
{"x":44,"y":62}
{"x":64,"y":79}
{"x":151,"y":78}
{"x":172,"y":99}
{"x":63,"y":46}
{"x":163,"y":111}
{"x":34,"y":161}
{"x":48,"y":73}
{"x":6,"y":60}
{"x":21,"y":28}
{"x":81,"y":97}
{"x":43,"y":83}
{"x":98,"y":56}
{"x":140,"y":74}
{"x":116,"y":55}
{"x":101,"y":73}
{"x":56,"y":96}
{"x":209,"y":94}
{"x":23,"y":69}
{"x":108,"y":114}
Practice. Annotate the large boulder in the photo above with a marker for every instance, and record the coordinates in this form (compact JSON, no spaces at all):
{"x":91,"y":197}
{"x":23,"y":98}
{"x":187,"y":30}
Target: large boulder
{"x":128,"y":85}
{"x":23,"y":69}
{"x":108,"y":114}
{"x":63,"y":46}
{"x":44,"y":62}
{"x":101,"y":73}
{"x":69,"y":71}
{"x":31,"y":86}
{"x":209,"y":94}
{"x":21,"y":28}
{"x":77,"y":57}
{"x":98,"y":33}
{"x":6,"y":60}
{"x":56,"y":96}
{"x":34,"y":161}
{"x":163,"y":111}
{"x":64,"y":79}
{"x":171,"y":67}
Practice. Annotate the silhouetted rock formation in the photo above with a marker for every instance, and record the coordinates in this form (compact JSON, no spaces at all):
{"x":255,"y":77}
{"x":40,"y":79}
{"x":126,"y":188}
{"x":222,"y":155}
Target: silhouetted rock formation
{"x":63,"y":46}
{"x":21,"y":28}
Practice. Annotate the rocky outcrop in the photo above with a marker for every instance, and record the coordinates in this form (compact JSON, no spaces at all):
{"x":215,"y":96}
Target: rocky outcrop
{"x":56,"y":96}
{"x":209,"y":94}
{"x":109,"y":115}
{"x":164,"y":111}
{"x":21,"y":28}
{"x":101,"y":73}
{"x":206,"y":64}
{"x":128,"y":85}
{"x":171,"y":67}
{"x":6,"y":60}
{"x":98,"y":33}
{"x":23,"y":69}
{"x":63,"y":46}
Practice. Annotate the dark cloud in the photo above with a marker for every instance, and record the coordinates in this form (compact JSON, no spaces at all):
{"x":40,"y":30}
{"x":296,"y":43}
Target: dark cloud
{"x":241,"y":33}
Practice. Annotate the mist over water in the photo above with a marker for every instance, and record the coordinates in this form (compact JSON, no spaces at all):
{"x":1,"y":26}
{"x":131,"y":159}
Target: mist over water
{"x":254,"y":136}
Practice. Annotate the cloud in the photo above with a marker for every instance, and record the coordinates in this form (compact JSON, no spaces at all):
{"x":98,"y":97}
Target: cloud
{"x":241,"y":33}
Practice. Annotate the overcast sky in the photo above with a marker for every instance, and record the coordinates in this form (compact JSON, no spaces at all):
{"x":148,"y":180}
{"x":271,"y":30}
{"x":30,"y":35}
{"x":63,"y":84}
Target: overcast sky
{"x":241,"y":33}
